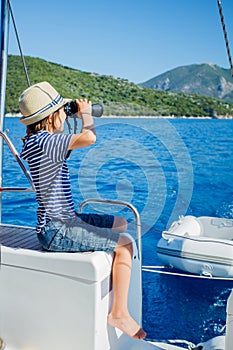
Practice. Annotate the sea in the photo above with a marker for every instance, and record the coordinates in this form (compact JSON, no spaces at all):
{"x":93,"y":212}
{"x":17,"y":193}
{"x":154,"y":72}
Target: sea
{"x":165,"y":168}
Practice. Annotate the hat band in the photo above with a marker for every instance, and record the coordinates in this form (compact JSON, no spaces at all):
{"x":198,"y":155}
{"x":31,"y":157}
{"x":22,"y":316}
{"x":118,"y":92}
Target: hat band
{"x":55,"y":102}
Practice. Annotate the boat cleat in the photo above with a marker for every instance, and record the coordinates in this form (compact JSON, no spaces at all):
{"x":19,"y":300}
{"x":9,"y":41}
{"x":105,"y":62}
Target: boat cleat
{"x":207,"y":270}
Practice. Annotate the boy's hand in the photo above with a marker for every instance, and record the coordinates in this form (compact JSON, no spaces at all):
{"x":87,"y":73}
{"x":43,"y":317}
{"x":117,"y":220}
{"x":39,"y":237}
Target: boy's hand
{"x":84,"y":107}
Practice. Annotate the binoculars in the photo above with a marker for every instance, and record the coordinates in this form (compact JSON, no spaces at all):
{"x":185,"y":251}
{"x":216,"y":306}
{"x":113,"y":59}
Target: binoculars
{"x":71,"y":108}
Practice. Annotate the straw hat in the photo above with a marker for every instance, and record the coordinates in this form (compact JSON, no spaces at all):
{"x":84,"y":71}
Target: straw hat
{"x":38,"y":102}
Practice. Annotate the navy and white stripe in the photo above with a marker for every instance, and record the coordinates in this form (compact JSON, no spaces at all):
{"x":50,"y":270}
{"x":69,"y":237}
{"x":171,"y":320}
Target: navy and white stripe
{"x":55,"y":102}
{"x":46,"y":156}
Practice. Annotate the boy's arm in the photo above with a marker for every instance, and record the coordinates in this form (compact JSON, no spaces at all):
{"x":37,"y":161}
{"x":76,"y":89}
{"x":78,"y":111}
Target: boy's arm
{"x":87,"y":136}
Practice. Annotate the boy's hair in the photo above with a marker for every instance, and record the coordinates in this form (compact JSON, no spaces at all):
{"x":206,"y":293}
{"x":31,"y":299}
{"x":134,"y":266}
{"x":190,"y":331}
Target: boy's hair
{"x":34,"y":128}
{"x":41,"y":125}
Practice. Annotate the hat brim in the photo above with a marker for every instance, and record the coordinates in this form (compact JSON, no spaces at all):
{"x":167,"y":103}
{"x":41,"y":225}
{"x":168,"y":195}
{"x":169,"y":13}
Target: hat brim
{"x":40,"y":116}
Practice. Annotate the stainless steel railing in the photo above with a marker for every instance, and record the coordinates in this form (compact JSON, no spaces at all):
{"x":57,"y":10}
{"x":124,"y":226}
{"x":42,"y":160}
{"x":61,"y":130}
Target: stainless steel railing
{"x":22,"y":166}
{"x":124,"y":204}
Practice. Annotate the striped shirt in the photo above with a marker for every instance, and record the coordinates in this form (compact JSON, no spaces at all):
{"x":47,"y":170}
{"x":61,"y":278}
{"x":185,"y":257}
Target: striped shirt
{"x":46,"y":157}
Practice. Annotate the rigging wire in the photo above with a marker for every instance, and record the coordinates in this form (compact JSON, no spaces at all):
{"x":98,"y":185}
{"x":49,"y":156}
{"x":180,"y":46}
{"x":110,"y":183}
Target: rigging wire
{"x":19,"y":45}
{"x":225,"y":35}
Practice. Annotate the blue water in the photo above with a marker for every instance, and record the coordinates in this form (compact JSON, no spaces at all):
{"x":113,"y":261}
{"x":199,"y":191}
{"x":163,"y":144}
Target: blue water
{"x":165,"y":168}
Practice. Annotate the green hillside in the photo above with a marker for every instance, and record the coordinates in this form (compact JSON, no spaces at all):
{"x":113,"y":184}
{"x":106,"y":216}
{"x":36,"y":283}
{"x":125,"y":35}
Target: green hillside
{"x":202,"y":79}
{"x":118,"y":96}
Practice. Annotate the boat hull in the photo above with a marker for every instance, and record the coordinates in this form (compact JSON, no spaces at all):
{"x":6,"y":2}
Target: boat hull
{"x":60,"y":300}
{"x":189,"y":247}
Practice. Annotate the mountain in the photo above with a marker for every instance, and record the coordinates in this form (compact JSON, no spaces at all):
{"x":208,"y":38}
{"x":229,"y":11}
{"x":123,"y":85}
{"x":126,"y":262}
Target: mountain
{"x":203,"y":79}
{"x":118,"y":96}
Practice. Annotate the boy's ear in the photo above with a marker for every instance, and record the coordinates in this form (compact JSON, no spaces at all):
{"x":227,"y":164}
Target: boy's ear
{"x":50,"y":118}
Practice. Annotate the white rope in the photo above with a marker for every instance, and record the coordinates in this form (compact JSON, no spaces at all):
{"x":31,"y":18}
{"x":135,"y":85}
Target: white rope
{"x":152,"y":269}
{"x":208,"y":240}
{"x":190,"y":346}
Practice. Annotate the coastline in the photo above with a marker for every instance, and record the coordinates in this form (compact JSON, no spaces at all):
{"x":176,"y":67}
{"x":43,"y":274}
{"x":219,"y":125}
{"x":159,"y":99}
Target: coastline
{"x":12,"y":115}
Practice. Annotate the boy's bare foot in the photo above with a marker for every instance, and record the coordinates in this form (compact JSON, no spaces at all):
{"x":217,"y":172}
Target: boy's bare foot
{"x":127,"y":325}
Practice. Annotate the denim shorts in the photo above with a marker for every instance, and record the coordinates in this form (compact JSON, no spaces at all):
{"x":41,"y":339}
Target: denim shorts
{"x":80,"y":233}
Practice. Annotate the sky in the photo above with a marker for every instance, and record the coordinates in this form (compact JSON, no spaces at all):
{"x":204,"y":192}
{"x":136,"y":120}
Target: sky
{"x":135,"y":40}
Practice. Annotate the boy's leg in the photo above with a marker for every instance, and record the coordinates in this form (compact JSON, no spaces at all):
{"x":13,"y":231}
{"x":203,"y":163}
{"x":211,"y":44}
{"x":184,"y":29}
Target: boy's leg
{"x":116,"y":223}
{"x":119,"y":316}
{"x":119,"y":224}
